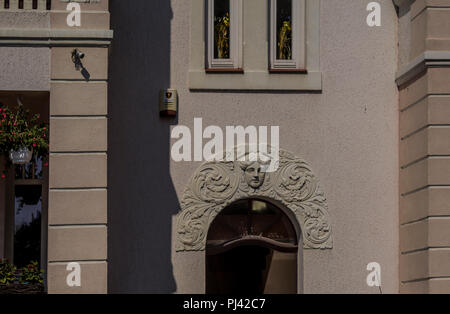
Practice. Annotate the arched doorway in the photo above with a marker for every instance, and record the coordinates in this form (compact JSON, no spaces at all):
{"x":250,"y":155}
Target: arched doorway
{"x":251,"y":248}
{"x":292,"y":188}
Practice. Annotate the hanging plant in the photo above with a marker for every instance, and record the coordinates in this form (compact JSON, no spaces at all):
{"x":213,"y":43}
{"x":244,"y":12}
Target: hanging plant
{"x":22,"y":134}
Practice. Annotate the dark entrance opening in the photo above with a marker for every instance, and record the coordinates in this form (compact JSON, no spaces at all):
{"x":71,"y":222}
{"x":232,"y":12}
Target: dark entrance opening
{"x":242,"y":270}
{"x":251,"y":249}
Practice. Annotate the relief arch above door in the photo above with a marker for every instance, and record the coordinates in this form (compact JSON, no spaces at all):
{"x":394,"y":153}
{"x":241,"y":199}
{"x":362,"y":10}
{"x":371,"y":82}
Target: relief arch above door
{"x":217,"y":184}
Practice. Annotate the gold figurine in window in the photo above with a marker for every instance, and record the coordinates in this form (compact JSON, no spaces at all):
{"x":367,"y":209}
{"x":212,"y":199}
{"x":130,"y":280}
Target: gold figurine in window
{"x":222,"y":28}
{"x":285,"y":40}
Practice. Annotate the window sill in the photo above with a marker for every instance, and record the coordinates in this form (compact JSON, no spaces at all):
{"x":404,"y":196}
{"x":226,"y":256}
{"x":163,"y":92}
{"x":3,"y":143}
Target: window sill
{"x":255,"y":80}
{"x":287,"y":71}
{"x":224,"y":70}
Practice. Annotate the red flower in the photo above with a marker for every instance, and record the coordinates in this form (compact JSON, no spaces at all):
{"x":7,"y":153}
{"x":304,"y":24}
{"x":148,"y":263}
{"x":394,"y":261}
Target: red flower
{"x":34,"y":145}
{"x":3,"y":176}
{"x":46,"y":164}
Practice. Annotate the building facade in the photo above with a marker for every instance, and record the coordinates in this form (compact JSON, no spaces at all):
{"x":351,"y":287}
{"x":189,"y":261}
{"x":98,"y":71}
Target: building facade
{"x":363,"y":160}
{"x":37,"y":66}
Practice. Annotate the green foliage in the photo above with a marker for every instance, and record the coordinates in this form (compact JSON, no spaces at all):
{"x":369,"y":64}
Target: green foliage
{"x":222,"y":31}
{"x":285,"y":41}
{"x":19,"y":128}
{"x":31,"y":274}
{"x":7,"y":272}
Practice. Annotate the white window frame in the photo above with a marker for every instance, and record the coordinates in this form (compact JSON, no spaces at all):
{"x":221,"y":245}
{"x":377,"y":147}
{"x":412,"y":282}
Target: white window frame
{"x":235,"y":61}
{"x":298,"y":37}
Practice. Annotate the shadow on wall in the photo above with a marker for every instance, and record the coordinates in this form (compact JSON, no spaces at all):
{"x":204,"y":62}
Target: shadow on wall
{"x":142,"y":199}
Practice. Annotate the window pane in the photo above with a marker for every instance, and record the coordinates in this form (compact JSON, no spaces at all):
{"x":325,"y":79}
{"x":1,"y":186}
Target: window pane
{"x":27,"y":228}
{"x":31,"y":170}
{"x":284,"y":29}
{"x":222,"y":29}
{"x":38,"y":168}
{"x":251,"y":218}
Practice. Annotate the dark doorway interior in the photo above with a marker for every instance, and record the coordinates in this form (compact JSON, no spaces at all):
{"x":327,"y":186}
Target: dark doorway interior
{"x":251,"y":249}
{"x":242,"y":270}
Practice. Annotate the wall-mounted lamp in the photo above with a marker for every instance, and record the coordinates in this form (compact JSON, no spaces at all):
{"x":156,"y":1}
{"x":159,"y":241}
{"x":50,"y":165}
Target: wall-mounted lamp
{"x":77,"y":55}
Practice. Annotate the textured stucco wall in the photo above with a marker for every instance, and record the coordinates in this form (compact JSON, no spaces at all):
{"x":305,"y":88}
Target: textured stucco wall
{"x":24,"y":69}
{"x":24,"y":19}
{"x":404,"y":36}
{"x":348,"y":134}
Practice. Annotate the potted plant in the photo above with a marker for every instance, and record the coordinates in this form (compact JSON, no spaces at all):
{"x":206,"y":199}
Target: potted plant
{"x":7,"y":273}
{"x":22,"y":134}
{"x":30,"y":278}
{"x":27,"y":280}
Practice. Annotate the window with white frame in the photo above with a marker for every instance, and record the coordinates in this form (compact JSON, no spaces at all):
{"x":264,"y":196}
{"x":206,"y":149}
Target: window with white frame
{"x":284,"y":37}
{"x":224,"y":35}
{"x":287,"y":32}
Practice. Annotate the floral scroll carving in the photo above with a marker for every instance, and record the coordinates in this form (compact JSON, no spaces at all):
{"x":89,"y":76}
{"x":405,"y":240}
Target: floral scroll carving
{"x":215,"y":185}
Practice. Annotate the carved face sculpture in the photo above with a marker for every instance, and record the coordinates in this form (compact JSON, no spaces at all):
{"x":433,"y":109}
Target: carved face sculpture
{"x":253,"y":174}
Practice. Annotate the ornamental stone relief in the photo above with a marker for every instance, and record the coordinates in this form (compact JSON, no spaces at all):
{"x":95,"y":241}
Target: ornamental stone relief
{"x":215,"y":185}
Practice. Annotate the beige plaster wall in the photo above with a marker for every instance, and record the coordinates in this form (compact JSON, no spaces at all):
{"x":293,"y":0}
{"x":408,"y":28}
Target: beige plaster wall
{"x":78,"y":182}
{"x":424,"y":149}
{"x":348,"y":133}
{"x":21,"y":20}
{"x":25,"y":68}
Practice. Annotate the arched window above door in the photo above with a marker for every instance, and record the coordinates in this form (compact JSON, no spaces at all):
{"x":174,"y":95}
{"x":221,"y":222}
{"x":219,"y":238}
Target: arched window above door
{"x":216,"y":185}
{"x":252,"y":221}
